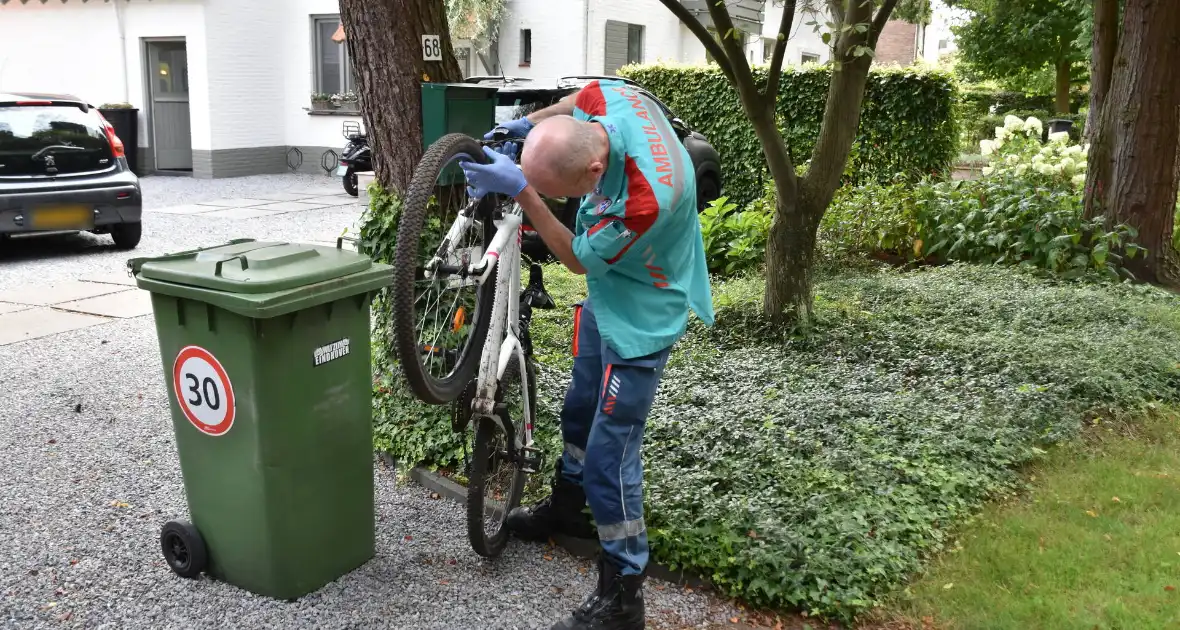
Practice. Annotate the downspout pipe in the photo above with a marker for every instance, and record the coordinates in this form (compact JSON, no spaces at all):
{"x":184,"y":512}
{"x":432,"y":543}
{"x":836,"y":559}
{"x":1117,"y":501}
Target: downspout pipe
{"x":119,"y":18}
{"x":585,"y":36}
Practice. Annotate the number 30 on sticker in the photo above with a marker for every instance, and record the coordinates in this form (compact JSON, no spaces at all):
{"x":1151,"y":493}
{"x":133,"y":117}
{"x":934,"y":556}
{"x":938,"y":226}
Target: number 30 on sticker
{"x":203,"y":390}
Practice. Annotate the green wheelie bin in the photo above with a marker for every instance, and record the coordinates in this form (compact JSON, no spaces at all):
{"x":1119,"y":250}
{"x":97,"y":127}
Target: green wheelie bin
{"x":265,"y":347}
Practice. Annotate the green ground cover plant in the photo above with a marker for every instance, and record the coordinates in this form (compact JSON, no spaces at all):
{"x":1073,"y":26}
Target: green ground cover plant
{"x":817,"y":470}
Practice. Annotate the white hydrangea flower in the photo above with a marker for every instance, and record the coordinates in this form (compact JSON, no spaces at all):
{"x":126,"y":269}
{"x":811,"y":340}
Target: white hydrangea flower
{"x":1033,"y":125}
{"x":1012,"y":123}
{"x":1079,"y":180}
{"x":1001,"y":134}
{"x":1059,"y":137}
{"x":1038,"y":158}
{"x":1073,"y":151}
{"x":1086,"y":150}
{"x":987,"y":170}
{"x":1044,"y":168}
{"x":1022,"y":169}
{"x":987,"y":147}
{"x":1011,"y":159}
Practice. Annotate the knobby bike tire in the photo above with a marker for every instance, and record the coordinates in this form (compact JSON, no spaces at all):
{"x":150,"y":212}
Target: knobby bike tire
{"x":486,"y":432}
{"x":427,"y":387}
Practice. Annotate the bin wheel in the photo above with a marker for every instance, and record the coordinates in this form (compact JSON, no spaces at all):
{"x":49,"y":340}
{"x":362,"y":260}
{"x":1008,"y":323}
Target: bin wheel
{"x":183,"y":548}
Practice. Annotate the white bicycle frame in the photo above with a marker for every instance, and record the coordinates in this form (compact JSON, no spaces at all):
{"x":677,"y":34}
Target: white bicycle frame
{"x":503,"y":340}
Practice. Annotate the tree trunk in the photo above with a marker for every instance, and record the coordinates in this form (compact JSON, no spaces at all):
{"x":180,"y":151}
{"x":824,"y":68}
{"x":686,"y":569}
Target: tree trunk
{"x":1135,"y":160}
{"x":1062,"y":99}
{"x":1104,"y":46}
{"x":385,"y":43}
{"x":791,"y":247}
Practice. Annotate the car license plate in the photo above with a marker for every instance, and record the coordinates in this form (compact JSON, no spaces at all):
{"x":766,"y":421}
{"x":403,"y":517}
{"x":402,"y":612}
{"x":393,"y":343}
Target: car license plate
{"x":341,"y":170}
{"x":65,"y":217}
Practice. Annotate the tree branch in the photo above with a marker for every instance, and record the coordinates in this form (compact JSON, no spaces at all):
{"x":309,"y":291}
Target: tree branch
{"x":879,"y":22}
{"x":780,"y":51}
{"x":837,"y":9}
{"x":703,"y":35}
{"x":737,"y":55}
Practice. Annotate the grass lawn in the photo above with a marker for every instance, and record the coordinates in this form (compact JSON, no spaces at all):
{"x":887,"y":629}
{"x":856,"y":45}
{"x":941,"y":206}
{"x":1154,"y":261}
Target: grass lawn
{"x":1095,"y":544}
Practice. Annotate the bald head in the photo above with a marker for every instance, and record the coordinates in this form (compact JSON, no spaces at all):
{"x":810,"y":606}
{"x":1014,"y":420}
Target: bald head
{"x":565,"y":157}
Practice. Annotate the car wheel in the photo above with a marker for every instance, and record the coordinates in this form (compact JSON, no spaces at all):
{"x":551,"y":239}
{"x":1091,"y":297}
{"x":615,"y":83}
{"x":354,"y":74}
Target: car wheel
{"x":127,"y":235}
{"x":707,"y":190}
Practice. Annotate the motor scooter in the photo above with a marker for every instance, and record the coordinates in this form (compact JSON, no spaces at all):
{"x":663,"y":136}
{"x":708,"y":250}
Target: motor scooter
{"x":356,"y":157}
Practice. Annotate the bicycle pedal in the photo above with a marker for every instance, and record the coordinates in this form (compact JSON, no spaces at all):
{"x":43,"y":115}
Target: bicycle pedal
{"x":530,"y":459}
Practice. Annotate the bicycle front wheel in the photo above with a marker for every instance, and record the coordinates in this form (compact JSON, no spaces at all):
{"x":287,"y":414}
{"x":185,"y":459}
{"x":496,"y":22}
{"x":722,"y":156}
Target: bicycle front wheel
{"x":496,"y":481}
{"x":441,"y":314}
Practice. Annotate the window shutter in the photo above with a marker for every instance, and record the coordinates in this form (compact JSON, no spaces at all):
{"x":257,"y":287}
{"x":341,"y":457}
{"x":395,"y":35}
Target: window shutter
{"x":615,"y":52}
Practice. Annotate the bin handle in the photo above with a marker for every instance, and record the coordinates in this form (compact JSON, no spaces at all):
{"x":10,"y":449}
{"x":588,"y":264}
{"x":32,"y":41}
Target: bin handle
{"x":340,"y":241}
{"x":241,"y":257}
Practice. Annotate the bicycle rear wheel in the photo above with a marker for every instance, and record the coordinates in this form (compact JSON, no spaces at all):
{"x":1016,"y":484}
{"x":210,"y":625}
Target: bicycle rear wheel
{"x":496,"y":481}
{"x":441,"y":320}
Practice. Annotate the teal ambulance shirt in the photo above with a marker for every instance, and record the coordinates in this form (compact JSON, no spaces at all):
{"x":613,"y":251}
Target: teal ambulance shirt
{"x":638,"y":234}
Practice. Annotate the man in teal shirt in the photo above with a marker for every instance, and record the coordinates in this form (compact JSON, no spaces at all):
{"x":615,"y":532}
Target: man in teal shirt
{"x":638,"y":241}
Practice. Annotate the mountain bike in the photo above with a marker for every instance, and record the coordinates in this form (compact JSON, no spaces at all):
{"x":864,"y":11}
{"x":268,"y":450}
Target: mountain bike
{"x":461,"y":326}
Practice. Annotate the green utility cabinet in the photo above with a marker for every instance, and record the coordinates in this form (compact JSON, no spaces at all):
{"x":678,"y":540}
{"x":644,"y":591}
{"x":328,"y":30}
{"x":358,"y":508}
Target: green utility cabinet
{"x":457,"y":108}
{"x":265,"y":347}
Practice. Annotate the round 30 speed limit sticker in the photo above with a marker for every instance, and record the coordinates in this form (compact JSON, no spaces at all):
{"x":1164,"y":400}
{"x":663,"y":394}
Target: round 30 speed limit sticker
{"x":203,"y":390}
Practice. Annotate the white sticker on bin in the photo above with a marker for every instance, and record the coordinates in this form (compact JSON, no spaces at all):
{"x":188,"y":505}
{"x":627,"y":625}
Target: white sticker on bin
{"x":330,"y":352}
{"x":203,"y":390}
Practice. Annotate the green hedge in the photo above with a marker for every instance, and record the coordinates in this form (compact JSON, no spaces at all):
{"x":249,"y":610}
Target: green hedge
{"x":977,"y":101}
{"x":906,"y":124}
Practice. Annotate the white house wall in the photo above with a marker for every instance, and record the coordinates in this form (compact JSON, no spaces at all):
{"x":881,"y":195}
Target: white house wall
{"x":803,"y":39}
{"x":244,"y":56}
{"x":40,"y":44}
{"x":557,"y":37}
{"x":661,"y":30}
{"x":561,"y":46}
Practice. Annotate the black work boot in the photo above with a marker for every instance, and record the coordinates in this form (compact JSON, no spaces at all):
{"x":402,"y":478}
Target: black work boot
{"x":617,"y":603}
{"x":559,"y":513}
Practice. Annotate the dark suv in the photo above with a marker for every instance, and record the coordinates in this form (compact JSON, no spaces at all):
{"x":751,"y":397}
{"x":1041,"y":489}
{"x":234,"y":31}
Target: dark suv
{"x":62,"y":168}
{"x":518,"y":96}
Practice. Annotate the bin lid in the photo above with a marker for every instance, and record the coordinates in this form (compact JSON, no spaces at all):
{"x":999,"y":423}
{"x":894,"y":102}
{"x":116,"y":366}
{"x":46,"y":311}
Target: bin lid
{"x":255,"y":266}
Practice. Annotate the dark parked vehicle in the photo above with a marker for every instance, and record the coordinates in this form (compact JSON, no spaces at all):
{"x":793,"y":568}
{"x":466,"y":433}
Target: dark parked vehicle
{"x":62,"y":168}
{"x":356,"y":157}
{"x":518,"y":96}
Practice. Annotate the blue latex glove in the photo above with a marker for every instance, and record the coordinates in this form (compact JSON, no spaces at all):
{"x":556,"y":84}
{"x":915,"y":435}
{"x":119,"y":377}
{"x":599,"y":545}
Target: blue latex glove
{"x":518,"y":128}
{"x":502,"y":176}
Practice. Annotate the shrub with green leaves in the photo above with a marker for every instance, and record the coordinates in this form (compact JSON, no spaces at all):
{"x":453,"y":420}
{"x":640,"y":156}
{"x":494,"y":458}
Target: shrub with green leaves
{"x":869,"y":219}
{"x":906,"y":123}
{"x":1026,"y":210}
{"x":735,"y":239}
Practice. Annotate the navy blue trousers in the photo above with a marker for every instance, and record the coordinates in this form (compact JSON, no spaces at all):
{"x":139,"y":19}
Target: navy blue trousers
{"x":602,"y":424}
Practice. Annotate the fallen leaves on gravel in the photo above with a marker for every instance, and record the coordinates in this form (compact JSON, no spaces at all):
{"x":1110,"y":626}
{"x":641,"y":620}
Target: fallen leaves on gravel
{"x":119,"y":504}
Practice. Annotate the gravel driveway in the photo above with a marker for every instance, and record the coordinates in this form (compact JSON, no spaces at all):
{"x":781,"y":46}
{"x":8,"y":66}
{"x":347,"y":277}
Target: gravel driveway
{"x":90,"y":473}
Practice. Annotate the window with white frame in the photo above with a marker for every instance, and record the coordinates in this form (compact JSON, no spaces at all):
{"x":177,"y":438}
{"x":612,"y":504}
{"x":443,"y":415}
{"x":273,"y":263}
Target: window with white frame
{"x":808,"y":58}
{"x":332,"y":67}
